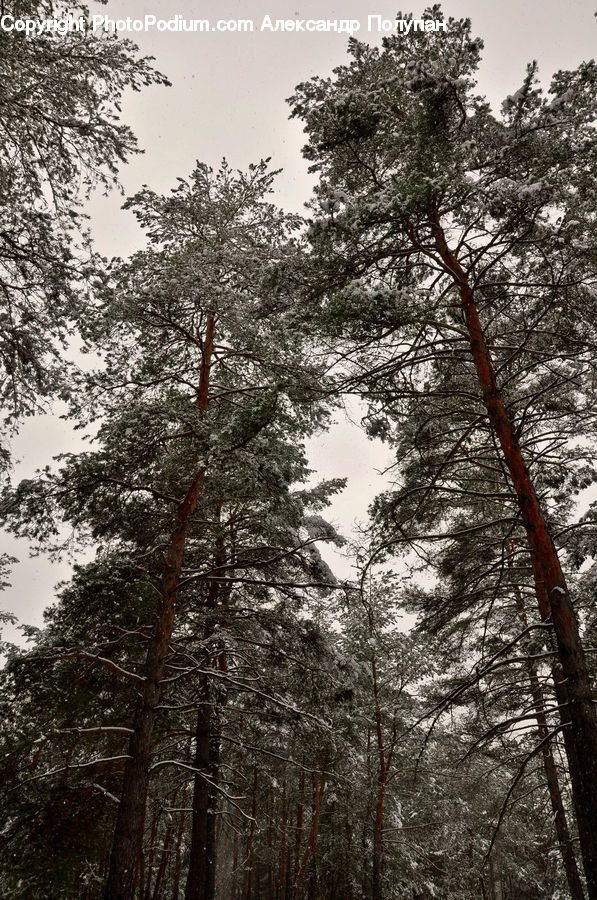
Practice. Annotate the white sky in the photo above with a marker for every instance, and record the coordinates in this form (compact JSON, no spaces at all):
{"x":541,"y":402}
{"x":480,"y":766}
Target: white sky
{"x":228,"y":99}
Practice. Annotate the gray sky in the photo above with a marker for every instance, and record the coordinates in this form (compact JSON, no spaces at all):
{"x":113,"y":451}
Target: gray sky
{"x":228,"y":99}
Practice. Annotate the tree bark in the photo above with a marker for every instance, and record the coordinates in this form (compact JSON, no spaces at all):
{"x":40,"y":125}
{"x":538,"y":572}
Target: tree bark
{"x":178,"y":854}
{"x":165,"y":858}
{"x":299,"y":821}
{"x":281,"y":886}
{"x":583,"y":718}
{"x":553,"y":783}
{"x":250,"y":864}
{"x":377,"y":892}
{"x":311,"y":847}
{"x":555,"y":796}
{"x":583,"y":823}
{"x":201,"y":879}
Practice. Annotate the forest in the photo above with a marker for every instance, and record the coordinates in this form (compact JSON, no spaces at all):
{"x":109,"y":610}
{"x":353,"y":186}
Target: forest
{"x":210,"y":712}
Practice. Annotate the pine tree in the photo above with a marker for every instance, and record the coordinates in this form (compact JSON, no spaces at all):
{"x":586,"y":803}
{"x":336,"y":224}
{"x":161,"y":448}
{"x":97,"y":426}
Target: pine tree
{"x":446,"y":234}
{"x":203,"y":386}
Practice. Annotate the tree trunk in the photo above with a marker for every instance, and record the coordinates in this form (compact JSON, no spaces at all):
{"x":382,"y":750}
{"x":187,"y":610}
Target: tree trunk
{"x":366,"y":856}
{"x":145,"y":864}
{"x":128,"y":834}
{"x":249,"y":864}
{"x":311,"y":847}
{"x":563,"y":701}
{"x":178,"y":854}
{"x":299,"y":821}
{"x":201,"y":879}
{"x":384,"y":763}
{"x":281,"y":887}
{"x":165,"y":858}
{"x":557,"y":805}
{"x":270,"y":843}
{"x":377,"y":892}
{"x":555,"y":795}
{"x":583,"y":718}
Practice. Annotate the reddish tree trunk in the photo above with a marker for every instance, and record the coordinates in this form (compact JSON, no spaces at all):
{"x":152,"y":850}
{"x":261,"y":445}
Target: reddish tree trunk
{"x":546,"y":563}
{"x":128,"y":834}
{"x":311,"y":846}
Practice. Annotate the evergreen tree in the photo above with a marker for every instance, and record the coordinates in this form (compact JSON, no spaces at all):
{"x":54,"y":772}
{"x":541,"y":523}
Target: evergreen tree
{"x":200,"y":372}
{"x":61,"y":135}
{"x":445,"y":234}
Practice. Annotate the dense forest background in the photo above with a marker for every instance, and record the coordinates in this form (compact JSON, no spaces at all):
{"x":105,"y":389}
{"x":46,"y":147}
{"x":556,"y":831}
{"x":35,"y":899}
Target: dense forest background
{"x":211,"y":710}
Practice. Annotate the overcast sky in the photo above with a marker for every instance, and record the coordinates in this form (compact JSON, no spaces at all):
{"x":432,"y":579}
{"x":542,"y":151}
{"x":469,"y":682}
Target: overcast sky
{"x":228,"y":99}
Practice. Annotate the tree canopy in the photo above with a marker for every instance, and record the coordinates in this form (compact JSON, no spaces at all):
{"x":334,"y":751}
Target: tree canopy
{"x":61,"y":136}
